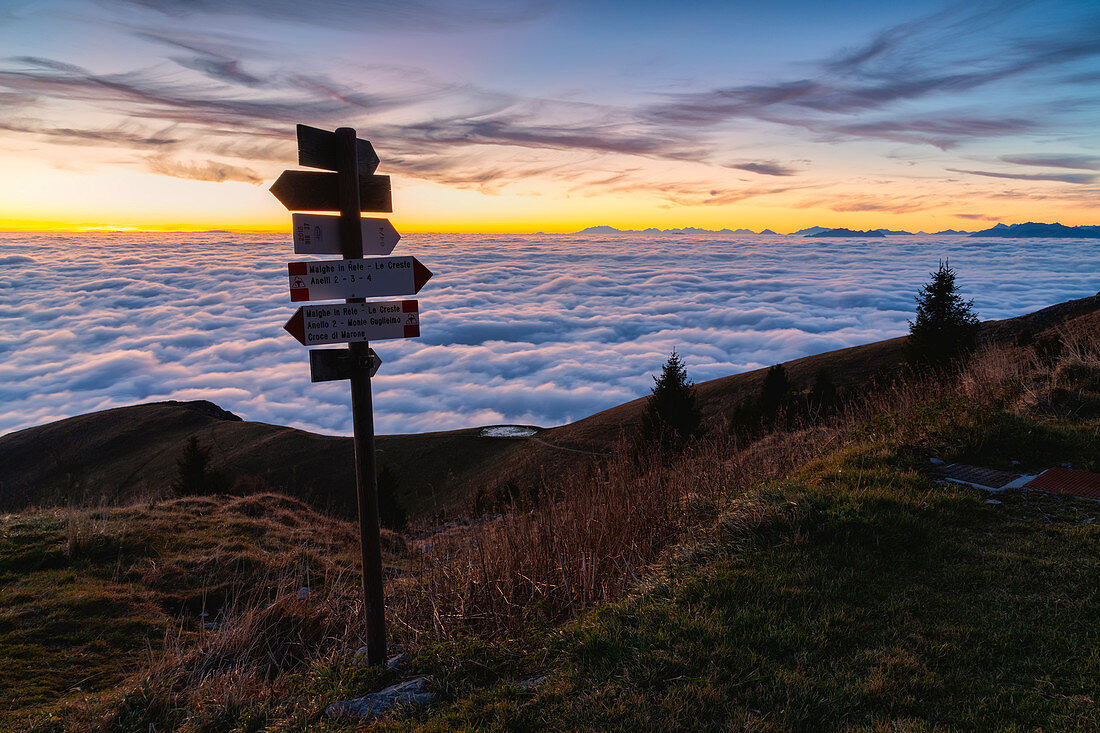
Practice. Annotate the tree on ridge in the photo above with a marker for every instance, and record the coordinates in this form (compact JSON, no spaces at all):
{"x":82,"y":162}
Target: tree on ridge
{"x":945,"y":328}
{"x":671,"y":417}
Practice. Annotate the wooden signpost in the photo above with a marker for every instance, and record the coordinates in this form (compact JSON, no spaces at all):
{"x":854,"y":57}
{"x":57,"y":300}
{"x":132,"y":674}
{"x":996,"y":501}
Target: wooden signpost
{"x":351,"y":189}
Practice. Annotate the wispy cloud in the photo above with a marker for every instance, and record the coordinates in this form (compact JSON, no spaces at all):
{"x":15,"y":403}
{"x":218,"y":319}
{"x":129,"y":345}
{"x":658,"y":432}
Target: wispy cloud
{"x":120,"y":135}
{"x":888,"y":204}
{"x":1077,"y":162}
{"x":206,"y":171}
{"x":422,"y":15}
{"x":1059,"y":177}
{"x":942,"y":132}
{"x":764,"y":167}
{"x":931,"y":58}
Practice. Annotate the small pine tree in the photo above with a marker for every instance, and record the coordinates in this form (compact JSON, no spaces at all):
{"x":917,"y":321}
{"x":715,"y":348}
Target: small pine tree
{"x":823,"y":395}
{"x":671,"y":418}
{"x":946,"y":328}
{"x":775,"y":395}
{"x":193,"y":474}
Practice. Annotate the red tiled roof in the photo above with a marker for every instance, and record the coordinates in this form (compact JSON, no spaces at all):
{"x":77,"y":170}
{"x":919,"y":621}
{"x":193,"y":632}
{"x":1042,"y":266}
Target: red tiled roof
{"x":987,"y":477}
{"x":1067,"y":481}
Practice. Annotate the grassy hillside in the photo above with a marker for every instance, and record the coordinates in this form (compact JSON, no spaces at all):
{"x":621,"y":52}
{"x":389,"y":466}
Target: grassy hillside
{"x":118,"y":455}
{"x":857,"y":595}
{"x":819,"y":578}
{"x":91,"y":595}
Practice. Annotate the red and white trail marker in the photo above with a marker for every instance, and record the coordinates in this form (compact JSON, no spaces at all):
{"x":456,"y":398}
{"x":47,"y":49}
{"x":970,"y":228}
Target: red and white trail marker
{"x":349,"y":322}
{"x":359,"y":278}
{"x":317,"y":234}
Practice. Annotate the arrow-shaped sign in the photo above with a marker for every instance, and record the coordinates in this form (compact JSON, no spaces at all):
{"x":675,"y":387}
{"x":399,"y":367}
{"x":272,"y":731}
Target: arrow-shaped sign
{"x":345,"y":322}
{"x":317,"y":234}
{"x":371,"y":278}
{"x":319,"y":149}
{"x":327,"y":365}
{"x":312,"y":191}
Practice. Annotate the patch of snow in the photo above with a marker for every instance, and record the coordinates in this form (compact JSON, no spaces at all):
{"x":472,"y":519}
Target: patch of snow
{"x":508,"y":431}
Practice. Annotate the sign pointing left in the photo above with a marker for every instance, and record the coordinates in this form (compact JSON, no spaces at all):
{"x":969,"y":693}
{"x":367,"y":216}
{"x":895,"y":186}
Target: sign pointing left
{"x":350,"y":322}
{"x":314,"y":191}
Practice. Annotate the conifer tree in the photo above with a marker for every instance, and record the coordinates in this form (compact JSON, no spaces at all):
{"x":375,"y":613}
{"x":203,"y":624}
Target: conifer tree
{"x":671,"y":418}
{"x":774,"y":395}
{"x":822,"y":395}
{"x":945,"y":328}
{"x":193,"y":473}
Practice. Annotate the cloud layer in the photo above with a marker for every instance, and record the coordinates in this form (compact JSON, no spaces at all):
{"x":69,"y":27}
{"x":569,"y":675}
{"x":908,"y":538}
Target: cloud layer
{"x":524,"y":329}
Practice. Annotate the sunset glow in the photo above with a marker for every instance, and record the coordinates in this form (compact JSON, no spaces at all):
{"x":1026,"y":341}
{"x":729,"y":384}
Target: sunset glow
{"x":553,"y":117}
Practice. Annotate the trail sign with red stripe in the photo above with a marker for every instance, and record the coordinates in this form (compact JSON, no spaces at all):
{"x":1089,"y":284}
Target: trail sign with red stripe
{"x":369,"y":278}
{"x":349,"y":322}
{"x":317,"y":234}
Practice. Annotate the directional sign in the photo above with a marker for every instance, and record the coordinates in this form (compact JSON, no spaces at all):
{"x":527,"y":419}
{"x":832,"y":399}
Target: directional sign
{"x":312,"y":191}
{"x":327,"y":365}
{"x":319,"y":149}
{"x":370,"y":278}
{"x":345,"y":322}
{"x":317,"y":234}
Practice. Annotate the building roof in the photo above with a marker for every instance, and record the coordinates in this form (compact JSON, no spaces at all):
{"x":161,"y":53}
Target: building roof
{"x":1067,"y":481}
{"x":988,"y":478}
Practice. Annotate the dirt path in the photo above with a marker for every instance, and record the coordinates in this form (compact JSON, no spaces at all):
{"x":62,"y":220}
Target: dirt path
{"x":562,"y":447}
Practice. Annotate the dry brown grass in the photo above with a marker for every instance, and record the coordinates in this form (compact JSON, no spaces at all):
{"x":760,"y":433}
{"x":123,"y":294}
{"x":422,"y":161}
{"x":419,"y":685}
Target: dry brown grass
{"x":586,"y":538}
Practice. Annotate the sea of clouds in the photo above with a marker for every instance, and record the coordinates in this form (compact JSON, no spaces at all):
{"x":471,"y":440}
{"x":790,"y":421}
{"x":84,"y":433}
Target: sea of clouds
{"x":528,"y":329}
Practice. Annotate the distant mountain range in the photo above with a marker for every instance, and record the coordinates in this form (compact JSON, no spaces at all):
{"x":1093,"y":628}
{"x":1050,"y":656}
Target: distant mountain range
{"x":848,"y":233}
{"x":604,"y":229}
{"x":1037,"y":229}
{"x":809,"y":231}
{"x":1030,"y":229}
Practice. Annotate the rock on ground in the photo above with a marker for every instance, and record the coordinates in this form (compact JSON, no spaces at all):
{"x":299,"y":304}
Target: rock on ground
{"x":409,"y":692}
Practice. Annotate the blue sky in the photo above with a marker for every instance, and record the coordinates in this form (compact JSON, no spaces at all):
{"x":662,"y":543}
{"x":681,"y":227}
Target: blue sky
{"x":557,"y":115}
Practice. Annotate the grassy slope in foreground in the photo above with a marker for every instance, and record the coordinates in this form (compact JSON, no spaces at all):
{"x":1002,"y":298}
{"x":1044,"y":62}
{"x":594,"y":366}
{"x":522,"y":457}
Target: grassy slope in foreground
{"x":855,"y":595}
{"x":89,"y":596}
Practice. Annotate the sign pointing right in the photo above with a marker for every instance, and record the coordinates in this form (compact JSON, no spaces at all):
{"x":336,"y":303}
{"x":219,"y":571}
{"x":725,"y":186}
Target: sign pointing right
{"x":317,"y":234}
{"x":370,"y":278}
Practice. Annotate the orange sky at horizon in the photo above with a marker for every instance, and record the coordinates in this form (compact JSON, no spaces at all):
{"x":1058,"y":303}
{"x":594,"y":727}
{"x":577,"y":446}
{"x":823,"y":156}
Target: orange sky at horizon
{"x":179,"y":116}
{"x":99,"y":200}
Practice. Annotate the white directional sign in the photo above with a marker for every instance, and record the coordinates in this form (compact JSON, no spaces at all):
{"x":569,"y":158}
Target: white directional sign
{"x":369,"y":278}
{"x":317,"y":234}
{"x":346,"y":322}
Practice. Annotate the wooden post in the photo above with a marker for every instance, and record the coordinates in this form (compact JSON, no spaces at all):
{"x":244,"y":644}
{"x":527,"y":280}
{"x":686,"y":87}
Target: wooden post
{"x":362,"y":413}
